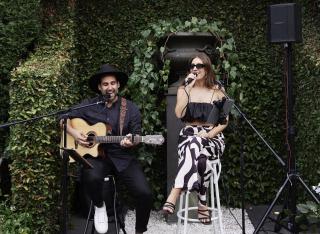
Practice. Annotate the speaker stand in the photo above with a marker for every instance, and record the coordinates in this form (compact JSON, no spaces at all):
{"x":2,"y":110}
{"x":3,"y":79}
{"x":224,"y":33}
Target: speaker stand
{"x":293,"y":177}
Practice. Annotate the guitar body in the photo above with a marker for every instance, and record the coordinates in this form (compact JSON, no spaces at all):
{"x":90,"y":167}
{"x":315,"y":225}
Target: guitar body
{"x":98,"y":129}
{"x":98,"y":133}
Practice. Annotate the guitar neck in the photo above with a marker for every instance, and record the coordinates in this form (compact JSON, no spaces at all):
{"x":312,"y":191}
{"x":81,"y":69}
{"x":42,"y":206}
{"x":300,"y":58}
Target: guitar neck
{"x":116,"y":139}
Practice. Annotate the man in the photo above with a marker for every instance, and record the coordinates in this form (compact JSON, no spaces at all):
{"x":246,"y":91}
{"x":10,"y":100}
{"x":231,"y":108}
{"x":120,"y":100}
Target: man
{"x":113,"y":158}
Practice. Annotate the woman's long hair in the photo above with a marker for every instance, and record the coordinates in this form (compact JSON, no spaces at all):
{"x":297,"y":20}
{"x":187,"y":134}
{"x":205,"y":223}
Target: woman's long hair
{"x":210,"y":77}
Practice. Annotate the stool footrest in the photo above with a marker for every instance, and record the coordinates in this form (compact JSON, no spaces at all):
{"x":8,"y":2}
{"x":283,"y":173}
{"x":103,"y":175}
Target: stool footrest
{"x":214,"y":200}
{"x":181,"y":212}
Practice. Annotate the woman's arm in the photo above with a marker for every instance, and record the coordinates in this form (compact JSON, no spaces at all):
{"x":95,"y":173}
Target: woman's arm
{"x":183,"y":95}
{"x":182,"y":101}
{"x":213,"y":132}
{"x":218,"y":129}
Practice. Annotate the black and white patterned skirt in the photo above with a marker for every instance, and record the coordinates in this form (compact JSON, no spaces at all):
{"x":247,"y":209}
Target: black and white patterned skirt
{"x":194,"y":151}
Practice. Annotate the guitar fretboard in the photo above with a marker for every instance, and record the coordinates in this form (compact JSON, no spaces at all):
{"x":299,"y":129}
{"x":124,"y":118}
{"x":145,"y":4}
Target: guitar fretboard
{"x":114,"y":139}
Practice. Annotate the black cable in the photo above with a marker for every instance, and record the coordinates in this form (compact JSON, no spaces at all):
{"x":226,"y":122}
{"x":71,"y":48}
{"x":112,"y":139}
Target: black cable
{"x":114,"y":203}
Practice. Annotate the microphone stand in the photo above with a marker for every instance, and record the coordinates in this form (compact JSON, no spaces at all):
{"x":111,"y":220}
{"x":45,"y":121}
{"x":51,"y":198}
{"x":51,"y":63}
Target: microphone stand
{"x":65,"y":155}
{"x":241,"y":176}
{"x":243,"y":117}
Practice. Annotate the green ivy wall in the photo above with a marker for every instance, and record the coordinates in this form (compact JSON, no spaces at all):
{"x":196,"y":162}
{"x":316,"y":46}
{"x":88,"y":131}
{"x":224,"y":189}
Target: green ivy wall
{"x":117,"y":25}
{"x":99,"y":31}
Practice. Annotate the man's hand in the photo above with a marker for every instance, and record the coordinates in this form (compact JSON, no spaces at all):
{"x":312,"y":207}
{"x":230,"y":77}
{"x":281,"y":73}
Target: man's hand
{"x":80,"y":138}
{"x":126,"y":142}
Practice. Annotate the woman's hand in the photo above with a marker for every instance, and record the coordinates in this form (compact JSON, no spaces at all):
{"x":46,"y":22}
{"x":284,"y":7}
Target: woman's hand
{"x":190,"y":80}
{"x":203,"y":134}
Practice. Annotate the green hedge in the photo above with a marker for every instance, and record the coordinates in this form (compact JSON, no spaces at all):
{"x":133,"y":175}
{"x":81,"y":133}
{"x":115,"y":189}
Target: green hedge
{"x":19,"y":28}
{"x":307,"y":108}
{"x":41,"y":85}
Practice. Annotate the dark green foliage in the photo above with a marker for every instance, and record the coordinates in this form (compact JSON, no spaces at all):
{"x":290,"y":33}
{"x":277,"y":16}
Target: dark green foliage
{"x":262,"y":99}
{"x":19,"y":27}
{"x":56,"y":75}
{"x":153,"y":83}
{"x":309,"y":217}
{"x":41,"y":85}
{"x":307,"y":108}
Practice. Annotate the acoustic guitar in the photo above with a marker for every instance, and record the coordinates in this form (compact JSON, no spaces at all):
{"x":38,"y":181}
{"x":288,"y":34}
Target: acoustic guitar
{"x":97,"y":134}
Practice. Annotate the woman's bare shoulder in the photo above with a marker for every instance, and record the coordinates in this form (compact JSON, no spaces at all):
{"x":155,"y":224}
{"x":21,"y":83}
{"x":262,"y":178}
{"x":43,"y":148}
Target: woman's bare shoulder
{"x":220,"y":91}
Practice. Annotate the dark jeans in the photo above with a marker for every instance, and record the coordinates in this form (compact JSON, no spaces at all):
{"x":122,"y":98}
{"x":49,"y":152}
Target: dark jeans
{"x":132,"y":177}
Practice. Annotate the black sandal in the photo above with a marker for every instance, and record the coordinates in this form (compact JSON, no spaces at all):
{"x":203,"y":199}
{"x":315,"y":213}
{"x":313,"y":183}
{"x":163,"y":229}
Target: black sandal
{"x":206,"y":218}
{"x":170,"y":207}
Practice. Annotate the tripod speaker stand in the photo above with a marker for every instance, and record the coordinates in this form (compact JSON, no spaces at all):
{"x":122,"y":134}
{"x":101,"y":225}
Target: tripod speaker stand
{"x":293,"y":178}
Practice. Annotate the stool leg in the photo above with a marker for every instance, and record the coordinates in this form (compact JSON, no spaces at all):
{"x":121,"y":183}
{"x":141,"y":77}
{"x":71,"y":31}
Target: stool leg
{"x":218,"y":202}
{"x":181,"y":198}
{"x":88,"y":218}
{"x":212,"y":198}
{"x":92,"y":228}
{"x":186,"y":212}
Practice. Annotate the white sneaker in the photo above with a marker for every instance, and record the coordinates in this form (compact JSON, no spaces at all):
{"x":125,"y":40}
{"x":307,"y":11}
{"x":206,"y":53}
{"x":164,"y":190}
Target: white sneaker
{"x":101,"y":219}
{"x":316,"y":188}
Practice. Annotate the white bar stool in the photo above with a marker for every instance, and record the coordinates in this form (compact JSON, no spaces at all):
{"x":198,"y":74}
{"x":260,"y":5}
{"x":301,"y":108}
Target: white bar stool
{"x":214,"y":207}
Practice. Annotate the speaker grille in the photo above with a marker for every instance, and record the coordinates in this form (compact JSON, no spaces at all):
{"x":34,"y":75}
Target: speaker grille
{"x":284,"y":23}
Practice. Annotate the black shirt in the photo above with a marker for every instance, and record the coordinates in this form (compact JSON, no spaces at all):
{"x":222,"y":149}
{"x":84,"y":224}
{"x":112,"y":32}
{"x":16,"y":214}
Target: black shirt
{"x":120,"y":156}
{"x":211,"y":113}
{"x":196,"y":111}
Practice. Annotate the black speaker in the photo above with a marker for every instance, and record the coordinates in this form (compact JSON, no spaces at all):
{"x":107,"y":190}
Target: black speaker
{"x":284,"y":23}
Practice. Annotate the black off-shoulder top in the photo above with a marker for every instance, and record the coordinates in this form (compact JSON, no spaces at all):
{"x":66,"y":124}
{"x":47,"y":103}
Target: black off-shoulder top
{"x":203,"y":112}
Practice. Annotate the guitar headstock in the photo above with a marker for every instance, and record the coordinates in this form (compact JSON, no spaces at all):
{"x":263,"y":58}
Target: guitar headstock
{"x":153,"y":139}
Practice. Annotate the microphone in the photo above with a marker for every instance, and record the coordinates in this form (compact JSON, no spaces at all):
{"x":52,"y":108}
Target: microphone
{"x":189,"y":80}
{"x":106,"y":97}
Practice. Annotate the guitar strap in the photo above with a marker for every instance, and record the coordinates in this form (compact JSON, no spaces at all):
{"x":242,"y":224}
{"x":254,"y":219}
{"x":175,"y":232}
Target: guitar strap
{"x":123,"y":109}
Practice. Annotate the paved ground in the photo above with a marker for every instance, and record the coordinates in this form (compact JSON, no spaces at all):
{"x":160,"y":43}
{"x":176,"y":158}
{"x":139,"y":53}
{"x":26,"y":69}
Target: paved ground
{"x":158,"y":225}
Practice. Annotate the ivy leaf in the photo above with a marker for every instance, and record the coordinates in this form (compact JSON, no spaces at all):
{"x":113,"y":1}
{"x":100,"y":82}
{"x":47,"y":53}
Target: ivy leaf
{"x":151,"y":86}
{"x":145,"y":33}
{"x":226,"y":65}
{"x":233,"y":72}
{"x":187,"y":24}
{"x":194,"y":20}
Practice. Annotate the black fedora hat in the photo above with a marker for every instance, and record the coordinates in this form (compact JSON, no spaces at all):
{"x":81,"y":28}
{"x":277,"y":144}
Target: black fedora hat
{"x":107,"y":69}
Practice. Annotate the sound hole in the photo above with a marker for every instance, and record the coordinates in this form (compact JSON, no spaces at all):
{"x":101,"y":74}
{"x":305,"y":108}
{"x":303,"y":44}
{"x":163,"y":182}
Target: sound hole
{"x":91,"y":139}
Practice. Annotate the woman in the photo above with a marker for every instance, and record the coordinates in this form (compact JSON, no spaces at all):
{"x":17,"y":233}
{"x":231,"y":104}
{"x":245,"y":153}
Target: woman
{"x":198,"y":104}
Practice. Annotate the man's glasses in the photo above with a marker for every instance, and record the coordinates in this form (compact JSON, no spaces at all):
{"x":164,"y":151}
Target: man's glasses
{"x":198,"y":65}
